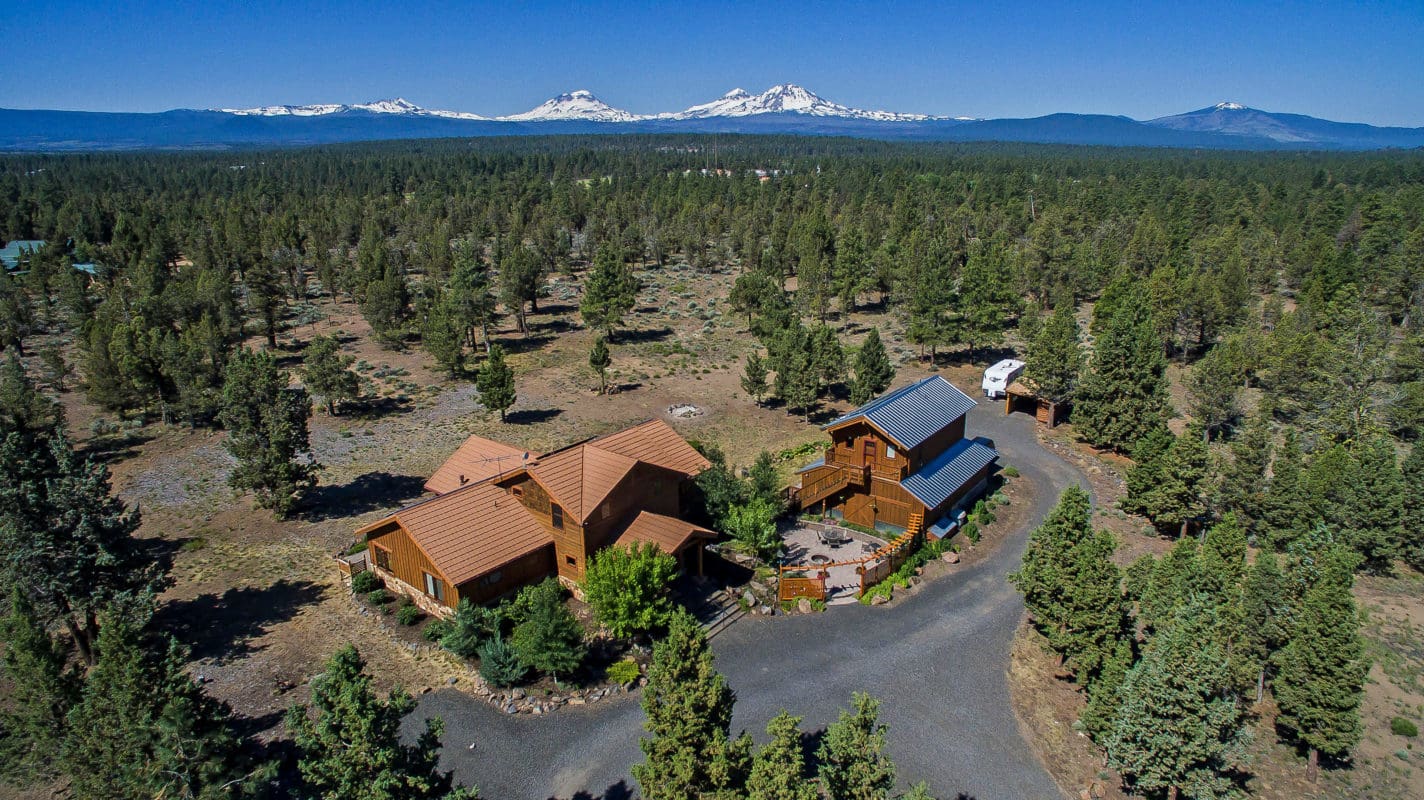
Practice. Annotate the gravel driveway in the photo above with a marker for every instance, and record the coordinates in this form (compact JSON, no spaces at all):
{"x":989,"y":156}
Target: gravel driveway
{"x":936,"y":660}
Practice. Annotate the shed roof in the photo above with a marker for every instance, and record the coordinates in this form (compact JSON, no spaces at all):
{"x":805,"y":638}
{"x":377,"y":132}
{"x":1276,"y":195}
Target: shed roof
{"x":473,"y":530}
{"x":476,"y":460}
{"x":913,"y":413}
{"x":668,"y":533}
{"x":940,"y":479}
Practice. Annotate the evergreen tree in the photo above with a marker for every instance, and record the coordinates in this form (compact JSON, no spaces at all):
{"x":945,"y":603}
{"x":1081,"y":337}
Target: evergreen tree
{"x":1320,"y":680}
{"x":521,"y":277}
{"x":1173,"y":581}
{"x":628,"y":588}
{"x":327,"y":373}
{"x":873,"y":370}
{"x":1412,"y":479}
{"x":1054,"y":359}
{"x":495,"y":382}
{"x":1213,"y":390}
{"x":754,"y":377}
{"x":1105,"y":690}
{"x":265,"y":295}
{"x":548,"y":638}
{"x":350,"y":741}
{"x":144,"y":729}
{"x":43,"y":688}
{"x":386,"y":305}
{"x":752,"y":525}
{"x":1265,"y":609}
{"x":442,"y":334}
{"x":600,"y":359}
{"x":1177,"y":728}
{"x":852,"y":758}
{"x":1377,"y":509}
{"x":1096,"y":615}
{"x":266,"y":421}
{"x":778,"y":769}
{"x":1286,"y":511}
{"x":1123,"y":395}
{"x":1177,"y":494}
{"x":472,"y":298}
{"x":611,"y":291}
{"x":689,"y":718}
{"x":1243,"y":473}
{"x":986,"y":299}
{"x":753,"y":293}
{"x":765,"y":484}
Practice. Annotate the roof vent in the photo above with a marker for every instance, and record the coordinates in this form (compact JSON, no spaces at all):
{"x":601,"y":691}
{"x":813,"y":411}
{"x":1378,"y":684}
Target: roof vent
{"x":464,"y":480}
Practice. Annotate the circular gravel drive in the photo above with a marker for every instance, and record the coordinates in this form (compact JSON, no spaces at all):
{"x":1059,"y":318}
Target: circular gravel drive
{"x":937,"y":661}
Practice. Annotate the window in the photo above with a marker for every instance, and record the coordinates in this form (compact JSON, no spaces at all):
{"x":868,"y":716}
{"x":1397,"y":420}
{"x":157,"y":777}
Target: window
{"x":434,"y":586}
{"x":383,"y":558}
{"x":571,"y":561}
{"x":889,"y":450}
{"x":556,"y":515}
{"x":606,"y":510}
{"x":517,"y":491}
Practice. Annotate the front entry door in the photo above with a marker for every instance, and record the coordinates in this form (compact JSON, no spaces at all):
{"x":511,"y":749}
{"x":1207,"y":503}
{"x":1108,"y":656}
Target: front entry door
{"x":860,"y":509}
{"x":867,"y":453}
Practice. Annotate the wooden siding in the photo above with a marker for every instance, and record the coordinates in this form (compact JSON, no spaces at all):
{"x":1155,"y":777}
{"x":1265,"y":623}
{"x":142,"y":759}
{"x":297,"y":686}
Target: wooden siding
{"x":645,"y":488}
{"x":568,"y":540}
{"x":407,"y":562}
{"x":521,"y":572}
{"x":850,"y":447}
{"x":941,"y":441}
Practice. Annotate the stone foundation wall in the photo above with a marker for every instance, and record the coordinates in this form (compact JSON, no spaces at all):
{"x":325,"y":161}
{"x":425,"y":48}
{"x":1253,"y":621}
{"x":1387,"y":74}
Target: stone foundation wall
{"x":425,"y":602}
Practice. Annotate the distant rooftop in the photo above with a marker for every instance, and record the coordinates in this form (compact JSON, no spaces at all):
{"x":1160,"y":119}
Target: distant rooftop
{"x":914,"y":413}
{"x":11,"y":252}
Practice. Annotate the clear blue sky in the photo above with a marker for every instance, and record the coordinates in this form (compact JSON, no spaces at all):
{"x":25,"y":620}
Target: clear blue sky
{"x":1359,"y":61}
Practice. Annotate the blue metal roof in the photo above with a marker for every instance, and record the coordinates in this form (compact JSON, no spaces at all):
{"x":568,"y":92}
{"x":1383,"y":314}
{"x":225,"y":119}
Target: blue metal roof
{"x":820,"y":462}
{"x":11,"y":252}
{"x":940,"y":479}
{"x":914,"y":413}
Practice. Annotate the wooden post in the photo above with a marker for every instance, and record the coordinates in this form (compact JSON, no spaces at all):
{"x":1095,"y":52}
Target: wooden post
{"x":700,"y":548}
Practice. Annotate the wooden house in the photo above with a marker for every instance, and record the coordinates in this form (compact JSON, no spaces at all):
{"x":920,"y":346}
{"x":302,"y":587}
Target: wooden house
{"x":503,"y":518}
{"x":902,"y":456}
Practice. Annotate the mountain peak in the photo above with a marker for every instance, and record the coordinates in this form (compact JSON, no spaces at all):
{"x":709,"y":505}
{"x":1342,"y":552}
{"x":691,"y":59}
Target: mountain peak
{"x":580,"y":104}
{"x":1228,"y":106}
{"x":783,"y":98}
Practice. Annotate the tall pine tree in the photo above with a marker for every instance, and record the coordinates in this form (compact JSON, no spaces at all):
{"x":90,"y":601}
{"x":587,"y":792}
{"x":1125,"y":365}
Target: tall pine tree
{"x":1123,"y":395}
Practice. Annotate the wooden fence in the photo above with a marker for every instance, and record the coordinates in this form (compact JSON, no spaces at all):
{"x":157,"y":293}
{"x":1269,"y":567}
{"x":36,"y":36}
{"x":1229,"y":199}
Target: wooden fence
{"x":794,"y":587}
{"x":872,"y":568}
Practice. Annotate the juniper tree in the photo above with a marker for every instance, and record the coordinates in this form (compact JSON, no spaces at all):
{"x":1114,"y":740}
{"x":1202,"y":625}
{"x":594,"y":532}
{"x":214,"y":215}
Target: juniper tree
{"x":1319,"y":683}
{"x":472,"y":297}
{"x":600,"y":359}
{"x":442,"y":334}
{"x":350,"y":742}
{"x":1243,"y":471}
{"x":327,"y":373}
{"x":1053,"y":363}
{"x":754,"y":378}
{"x":1179,"y":728}
{"x":495,"y":382}
{"x":873,"y":370}
{"x":1123,"y":394}
{"x":1105,"y":689}
{"x":43,"y":688}
{"x":752,"y":292}
{"x":1412,"y":479}
{"x":266,"y":422}
{"x":689,"y":752}
{"x":852,"y":757}
{"x":1376,"y":512}
{"x":610,"y":292}
{"x":386,"y":304}
{"x":1265,"y":609}
{"x":521,"y":277}
{"x":1213,"y":390}
{"x":549,"y":638}
{"x":763,"y":482}
{"x":778,"y":768}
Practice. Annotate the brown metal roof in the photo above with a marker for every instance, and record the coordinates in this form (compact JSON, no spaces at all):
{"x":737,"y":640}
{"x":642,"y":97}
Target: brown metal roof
{"x":579,"y":479}
{"x":473,"y":530}
{"x":655,"y":442}
{"x":476,"y":460}
{"x":668,"y":533}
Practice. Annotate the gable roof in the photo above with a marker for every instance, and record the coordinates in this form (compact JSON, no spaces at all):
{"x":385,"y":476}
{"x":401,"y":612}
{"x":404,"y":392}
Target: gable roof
{"x":655,"y":442}
{"x":938,"y":480}
{"x":472,"y":531}
{"x":476,"y":460}
{"x":670,"y":534}
{"x":913,"y":413}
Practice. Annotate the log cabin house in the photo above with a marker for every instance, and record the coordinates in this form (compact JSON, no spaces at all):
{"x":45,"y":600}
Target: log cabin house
{"x":900,"y":459}
{"x":503,"y":518}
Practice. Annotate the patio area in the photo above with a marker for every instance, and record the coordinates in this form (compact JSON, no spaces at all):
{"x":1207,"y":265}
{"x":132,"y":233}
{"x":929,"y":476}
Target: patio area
{"x":812,"y":544}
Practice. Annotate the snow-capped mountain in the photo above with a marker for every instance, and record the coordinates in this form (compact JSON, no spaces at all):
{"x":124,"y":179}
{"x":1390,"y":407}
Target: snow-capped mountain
{"x":579,"y":105}
{"x":784,"y":98}
{"x":1296,"y":130}
{"x":398,"y":105}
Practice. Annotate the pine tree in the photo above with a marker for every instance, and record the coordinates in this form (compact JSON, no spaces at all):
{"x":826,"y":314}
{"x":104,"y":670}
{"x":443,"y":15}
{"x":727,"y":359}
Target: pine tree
{"x":1376,"y":512}
{"x":471,"y":293}
{"x":549,"y":638}
{"x":442,"y":334}
{"x":873,"y":370}
{"x":765,"y":484}
{"x":495,"y":382}
{"x":386,"y":305}
{"x":350,"y":741}
{"x":1286,"y":510}
{"x":600,"y":359}
{"x":1320,"y":680}
{"x":1105,"y":689}
{"x":327,"y":373}
{"x":778,"y":770}
{"x":1243,"y":472}
{"x":689,"y":717}
{"x":521,"y":277}
{"x":266,"y":421}
{"x":43,"y":688}
{"x":853,"y":762}
{"x":1123,"y":395}
{"x":1213,"y":390}
{"x":1265,"y":608}
{"x":1178,"y":729}
{"x":1054,"y":360}
{"x":1049,"y":564}
{"x":611,"y":291}
{"x":754,"y":377}
{"x":1096,"y":615}
{"x":144,"y":729}
{"x":1412,"y":478}
{"x":1172,"y":582}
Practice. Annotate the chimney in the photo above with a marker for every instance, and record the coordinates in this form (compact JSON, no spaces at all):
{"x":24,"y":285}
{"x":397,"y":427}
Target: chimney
{"x":464,"y":480}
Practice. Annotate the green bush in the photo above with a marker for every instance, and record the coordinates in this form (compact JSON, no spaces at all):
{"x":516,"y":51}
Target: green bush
{"x":971,"y":532}
{"x":365,"y":582}
{"x":499,"y":666}
{"x":624,"y":672}
{"x":359,"y":547}
{"x":471,"y":626}
{"x":436,"y":630}
{"x":1400,"y":726}
{"x":408,"y":613}
{"x":378,"y":597}
{"x":1010,"y":472}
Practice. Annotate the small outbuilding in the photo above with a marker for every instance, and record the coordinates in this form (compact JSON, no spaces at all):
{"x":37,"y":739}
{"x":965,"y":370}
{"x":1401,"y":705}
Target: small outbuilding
{"x":1020,"y":397}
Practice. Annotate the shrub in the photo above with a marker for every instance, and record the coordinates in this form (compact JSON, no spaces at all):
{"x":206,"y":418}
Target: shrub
{"x":408,"y":613}
{"x":1010,"y":472}
{"x":1400,"y":726}
{"x":378,"y":597}
{"x":359,"y":547}
{"x":624,"y":672}
{"x":365,"y":583}
{"x":469,"y":628}
{"x":971,"y":532}
{"x":436,"y":630}
{"x":627,"y":588}
{"x":499,"y":666}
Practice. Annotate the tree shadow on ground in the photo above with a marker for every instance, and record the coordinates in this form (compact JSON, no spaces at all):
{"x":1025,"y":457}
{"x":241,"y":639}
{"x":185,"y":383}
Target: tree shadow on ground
{"x":526,"y":343}
{"x":557,"y":326}
{"x":115,"y":447}
{"x":529,"y":416}
{"x":222,"y":626}
{"x":641,"y":335}
{"x":618,"y":791}
{"x":369,"y":492}
{"x":372,"y":408}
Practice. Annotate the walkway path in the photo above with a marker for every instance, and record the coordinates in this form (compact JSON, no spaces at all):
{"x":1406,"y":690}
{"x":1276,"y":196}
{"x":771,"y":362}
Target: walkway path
{"x":937,"y":661}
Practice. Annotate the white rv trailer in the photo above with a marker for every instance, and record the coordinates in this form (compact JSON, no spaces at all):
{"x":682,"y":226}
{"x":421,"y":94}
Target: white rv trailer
{"x":998,"y":377}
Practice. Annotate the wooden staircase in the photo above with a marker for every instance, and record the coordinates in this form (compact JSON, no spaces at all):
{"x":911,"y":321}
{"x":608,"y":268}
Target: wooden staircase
{"x":917,"y":523}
